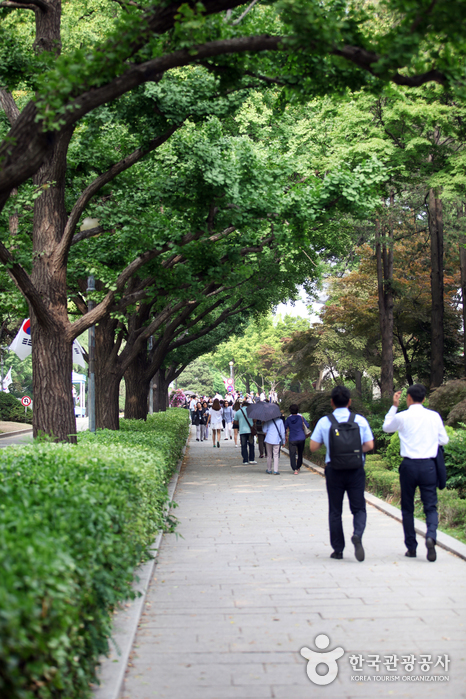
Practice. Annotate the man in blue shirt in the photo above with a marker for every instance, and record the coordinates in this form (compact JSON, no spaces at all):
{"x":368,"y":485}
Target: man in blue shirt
{"x":352,"y":481}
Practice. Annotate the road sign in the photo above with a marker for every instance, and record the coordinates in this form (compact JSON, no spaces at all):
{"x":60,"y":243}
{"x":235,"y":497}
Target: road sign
{"x":26,"y":401}
{"x":229,"y":389}
{"x":230,"y":382}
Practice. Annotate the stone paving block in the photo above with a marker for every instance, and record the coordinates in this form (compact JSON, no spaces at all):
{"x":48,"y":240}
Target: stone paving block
{"x":251,"y":583}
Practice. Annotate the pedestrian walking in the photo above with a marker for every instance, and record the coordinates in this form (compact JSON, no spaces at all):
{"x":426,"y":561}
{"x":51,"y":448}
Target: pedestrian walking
{"x":245,"y":434}
{"x":236,"y":407}
{"x":192,"y":407}
{"x":205,"y":409}
{"x":260,"y":437}
{"x":228,"y":417}
{"x":421,"y":434}
{"x":344,"y":467}
{"x":274,"y":431}
{"x":199,"y":421}
{"x":215,"y":422}
{"x":294,"y":429}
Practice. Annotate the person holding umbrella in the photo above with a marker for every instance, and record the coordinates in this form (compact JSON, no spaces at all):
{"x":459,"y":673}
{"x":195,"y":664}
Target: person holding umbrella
{"x":273,"y":429}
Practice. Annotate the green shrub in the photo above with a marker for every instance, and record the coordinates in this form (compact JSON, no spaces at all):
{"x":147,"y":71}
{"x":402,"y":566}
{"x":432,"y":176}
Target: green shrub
{"x":78,"y":522}
{"x":384,"y":483}
{"x":455,"y":460}
{"x":11,"y":410}
{"x":451,"y":509}
{"x":444,"y":398}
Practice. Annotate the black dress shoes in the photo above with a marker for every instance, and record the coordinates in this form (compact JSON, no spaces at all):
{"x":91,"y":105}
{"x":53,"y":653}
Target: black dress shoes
{"x":411,"y":554}
{"x":358,"y":548}
{"x":337,"y":554}
{"x":431,"y":552}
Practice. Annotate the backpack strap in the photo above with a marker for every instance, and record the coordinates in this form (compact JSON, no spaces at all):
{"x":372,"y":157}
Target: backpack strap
{"x":333,"y":421}
{"x":352,"y":417}
{"x":246,"y":418}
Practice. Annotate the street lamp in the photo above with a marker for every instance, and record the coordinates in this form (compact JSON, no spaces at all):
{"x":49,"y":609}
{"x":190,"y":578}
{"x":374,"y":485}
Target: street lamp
{"x":88,"y":224}
{"x":232,"y":374}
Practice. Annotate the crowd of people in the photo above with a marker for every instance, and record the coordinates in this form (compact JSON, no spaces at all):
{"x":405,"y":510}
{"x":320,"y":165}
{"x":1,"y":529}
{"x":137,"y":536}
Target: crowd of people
{"x":229,"y":414}
{"x":347,"y":438}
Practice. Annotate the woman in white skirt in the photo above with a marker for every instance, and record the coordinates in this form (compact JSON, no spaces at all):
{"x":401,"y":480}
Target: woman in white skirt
{"x":215,"y":422}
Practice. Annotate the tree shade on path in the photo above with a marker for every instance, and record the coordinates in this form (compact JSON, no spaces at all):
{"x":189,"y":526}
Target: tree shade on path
{"x":249,"y":583}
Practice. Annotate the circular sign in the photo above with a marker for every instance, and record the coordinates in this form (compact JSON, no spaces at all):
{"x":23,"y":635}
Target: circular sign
{"x":26,"y":401}
{"x":230,"y":382}
{"x":229,"y":389}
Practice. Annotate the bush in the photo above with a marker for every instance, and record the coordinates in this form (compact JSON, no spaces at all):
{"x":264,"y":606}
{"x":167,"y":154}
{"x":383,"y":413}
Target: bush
{"x":451,"y":509}
{"x":383,"y":482}
{"x":78,"y":522}
{"x":11,"y":410}
{"x":457,"y":414}
{"x":444,"y":398}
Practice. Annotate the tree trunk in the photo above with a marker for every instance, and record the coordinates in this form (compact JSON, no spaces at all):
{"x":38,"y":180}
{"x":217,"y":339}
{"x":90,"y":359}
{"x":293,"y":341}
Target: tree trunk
{"x":160,"y":392}
{"x":107,"y":391}
{"x":463,"y":292}
{"x":51,"y":379}
{"x":358,"y":381}
{"x":51,"y":345}
{"x":408,"y":370}
{"x":384,"y":254}
{"x":137,"y":389}
{"x":437,"y":289}
{"x":108,"y":375}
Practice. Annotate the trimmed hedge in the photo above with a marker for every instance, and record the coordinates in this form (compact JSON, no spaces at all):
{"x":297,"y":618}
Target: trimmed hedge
{"x":11,"y":409}
{"x":75,"y":522}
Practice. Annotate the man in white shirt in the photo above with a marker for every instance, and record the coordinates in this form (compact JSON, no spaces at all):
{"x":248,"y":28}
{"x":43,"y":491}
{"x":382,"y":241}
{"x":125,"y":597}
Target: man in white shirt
{"x":421,"y":432}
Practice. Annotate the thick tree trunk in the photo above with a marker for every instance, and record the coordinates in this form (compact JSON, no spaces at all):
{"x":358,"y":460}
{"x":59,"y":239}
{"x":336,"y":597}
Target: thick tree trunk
{"x":53,"y":412}
{"x":137,"y":389}
{"x":51,"y":344}
{"x":160,"y":391}
{"x":108,"y":375}
{"x":107,"y":412}
{"x":437,"y":289}
{"x":463,"y":292}
{"x":384,"y":254}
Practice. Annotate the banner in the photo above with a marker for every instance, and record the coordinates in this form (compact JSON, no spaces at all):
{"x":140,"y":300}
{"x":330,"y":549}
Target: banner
{"x":22,"y":345}
{"x":7,"y":381}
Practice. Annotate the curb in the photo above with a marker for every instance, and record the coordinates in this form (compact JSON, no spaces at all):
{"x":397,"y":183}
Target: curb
{"x":3,"y":435}
{"x":445,"y":541}
{"x":112,"y":669}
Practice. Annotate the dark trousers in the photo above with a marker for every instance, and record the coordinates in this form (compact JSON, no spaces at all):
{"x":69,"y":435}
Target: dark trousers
{"x":245,"y":444}
{"x":339,"y":482}
{"x":260,"y":442}
{"x":422,"y":473}
{"x":296,"y":448}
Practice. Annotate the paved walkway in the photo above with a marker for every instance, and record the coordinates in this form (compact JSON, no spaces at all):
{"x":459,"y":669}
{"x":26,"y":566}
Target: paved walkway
{"x":248,"y":582}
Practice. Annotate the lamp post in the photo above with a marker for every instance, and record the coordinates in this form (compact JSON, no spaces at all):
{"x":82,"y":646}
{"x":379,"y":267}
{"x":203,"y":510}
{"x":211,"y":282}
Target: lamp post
{"x":232,"y":374}
{"x":89,"y":223}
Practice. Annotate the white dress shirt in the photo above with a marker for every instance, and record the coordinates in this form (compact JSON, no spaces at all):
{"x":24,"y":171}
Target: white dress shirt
{"x":421,"y":431}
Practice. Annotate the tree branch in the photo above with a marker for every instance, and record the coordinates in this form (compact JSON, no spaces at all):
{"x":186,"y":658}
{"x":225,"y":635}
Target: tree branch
{"x":23,"y":281}
{"x":9,"y":105}
{"x":34,"y":5}
{"x":243,"y":15}
{"x":116,"y":169}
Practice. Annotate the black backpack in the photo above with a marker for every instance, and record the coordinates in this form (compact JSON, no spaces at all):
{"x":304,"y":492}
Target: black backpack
{"x":345,"y":444}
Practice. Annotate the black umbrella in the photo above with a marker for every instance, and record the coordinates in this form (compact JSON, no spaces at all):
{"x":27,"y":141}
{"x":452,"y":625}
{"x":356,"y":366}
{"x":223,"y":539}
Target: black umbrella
{"x":263,"y":411}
